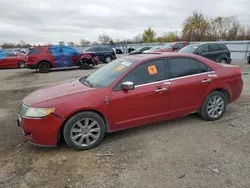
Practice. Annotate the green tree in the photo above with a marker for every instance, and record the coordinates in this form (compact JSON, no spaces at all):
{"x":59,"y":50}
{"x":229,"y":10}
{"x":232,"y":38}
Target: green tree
{"x":196,"y":27}
{"x":148,"y":35}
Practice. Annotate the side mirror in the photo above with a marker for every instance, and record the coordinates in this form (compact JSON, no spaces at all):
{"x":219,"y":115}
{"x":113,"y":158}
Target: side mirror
{"x":198,"y":53}
{"x":128,"y":85}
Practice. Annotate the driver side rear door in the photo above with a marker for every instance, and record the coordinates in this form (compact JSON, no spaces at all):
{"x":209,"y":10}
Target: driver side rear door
{"x":147,"y":103}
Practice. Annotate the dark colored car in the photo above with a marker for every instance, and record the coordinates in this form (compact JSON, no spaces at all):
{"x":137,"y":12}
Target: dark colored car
{"x":215,"y":51}
{"x":248,"y":58}
{"x":46,"y":57}
{"x":172,"y":47}
{"x":140,"y":50}
{"x":104,"y":53}
{"x":130,"y":49}
{"x":128,"y":92}
{"x":9,"y":59}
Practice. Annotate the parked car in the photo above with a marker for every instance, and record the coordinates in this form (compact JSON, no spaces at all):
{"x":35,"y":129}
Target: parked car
{"x":172,"y":47}
{"x":55,"y":56}
{"x":140,"y":50}
{"x":153,"y":49}
{"x":130,"y":49}
{"x":104,"y":53}
{"x":171,"y":85}
{"x":11,"y":60}
{"x":248,"y":58}
{"x":215,"y":51}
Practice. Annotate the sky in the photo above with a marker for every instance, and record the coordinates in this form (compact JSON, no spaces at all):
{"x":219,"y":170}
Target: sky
{"x":50,"y":21}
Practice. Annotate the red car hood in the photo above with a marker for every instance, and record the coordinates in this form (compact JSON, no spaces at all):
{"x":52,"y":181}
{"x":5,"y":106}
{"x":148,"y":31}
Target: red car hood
{"x":58,"y":90}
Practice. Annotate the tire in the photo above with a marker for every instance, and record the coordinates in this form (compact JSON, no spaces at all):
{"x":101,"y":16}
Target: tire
{"x":223,"y":61}
{"x":108,"y":59}
{"x":21,"y":64}
{"x":208,"y":107}
{"x":79,"y":134}
{"x":44,"y":67}
{"x":248,"y":61}
{"x":83,"y":64}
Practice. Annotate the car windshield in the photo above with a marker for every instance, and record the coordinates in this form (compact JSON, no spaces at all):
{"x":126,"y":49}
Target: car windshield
{"x":106,"y":75}
{"x":137,"y":50}
{"x":189,"y":49}
{"x":169,"y":46}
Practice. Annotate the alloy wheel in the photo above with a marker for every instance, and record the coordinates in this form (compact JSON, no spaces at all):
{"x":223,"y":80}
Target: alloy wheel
{"x":85,"y":132}
{"x":215,"y":106}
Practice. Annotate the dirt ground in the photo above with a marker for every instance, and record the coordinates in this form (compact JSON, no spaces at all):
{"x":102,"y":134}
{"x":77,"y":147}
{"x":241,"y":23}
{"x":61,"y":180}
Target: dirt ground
{"x":188,"y":152}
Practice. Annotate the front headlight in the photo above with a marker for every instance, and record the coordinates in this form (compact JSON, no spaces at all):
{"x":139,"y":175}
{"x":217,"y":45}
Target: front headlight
{"x":39,"y":112}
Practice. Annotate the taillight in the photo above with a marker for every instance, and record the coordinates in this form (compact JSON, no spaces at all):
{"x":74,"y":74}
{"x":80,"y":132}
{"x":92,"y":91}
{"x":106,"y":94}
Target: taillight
{"x":238,"y":71}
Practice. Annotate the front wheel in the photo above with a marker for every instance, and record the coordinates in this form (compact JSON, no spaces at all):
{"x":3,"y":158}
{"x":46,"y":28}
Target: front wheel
{"x":84,"y":130}
{"x":44,"y":67}
{"x":223,"y":61}
{"x":214,"y":106}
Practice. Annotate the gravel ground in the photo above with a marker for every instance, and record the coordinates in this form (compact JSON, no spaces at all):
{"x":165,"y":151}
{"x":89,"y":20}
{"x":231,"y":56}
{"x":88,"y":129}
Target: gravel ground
{"x":187,"y":152}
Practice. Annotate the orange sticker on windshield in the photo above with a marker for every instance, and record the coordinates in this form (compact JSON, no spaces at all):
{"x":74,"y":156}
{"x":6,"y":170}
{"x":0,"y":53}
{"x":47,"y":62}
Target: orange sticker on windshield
{"x":120,"y":68}
{"x":152,"y":70}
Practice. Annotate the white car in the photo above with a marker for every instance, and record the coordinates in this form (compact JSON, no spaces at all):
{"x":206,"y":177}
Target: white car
{"x":152,"y":49}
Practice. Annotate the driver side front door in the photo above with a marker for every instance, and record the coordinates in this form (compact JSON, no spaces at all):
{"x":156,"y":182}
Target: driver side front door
{"x":147,"y":103}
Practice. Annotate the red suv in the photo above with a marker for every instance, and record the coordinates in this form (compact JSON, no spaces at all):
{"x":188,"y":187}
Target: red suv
{"x":172,"y":47}
{"x":47,"y":57}
{"x":128,"y":92}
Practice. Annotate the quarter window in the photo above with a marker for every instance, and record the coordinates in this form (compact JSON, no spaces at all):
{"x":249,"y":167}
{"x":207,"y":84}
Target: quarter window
{"x":148,"y":72}
{"x":184,"y":67}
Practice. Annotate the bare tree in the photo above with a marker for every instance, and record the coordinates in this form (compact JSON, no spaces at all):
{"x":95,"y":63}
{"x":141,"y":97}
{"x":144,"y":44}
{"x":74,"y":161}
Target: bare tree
{"x":71,"y":44}
{"x":137,"y":39}
{"x":104,"y":39}
{"x":61,"y":43}
{"x":84,"y":42}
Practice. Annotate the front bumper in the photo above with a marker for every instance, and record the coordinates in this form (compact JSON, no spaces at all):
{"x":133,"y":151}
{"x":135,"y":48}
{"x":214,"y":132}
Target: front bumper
{"x":41,"y":131}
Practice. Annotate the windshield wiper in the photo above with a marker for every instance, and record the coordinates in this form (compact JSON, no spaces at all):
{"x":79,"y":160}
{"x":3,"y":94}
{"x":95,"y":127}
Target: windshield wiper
{"x":87,"y":83}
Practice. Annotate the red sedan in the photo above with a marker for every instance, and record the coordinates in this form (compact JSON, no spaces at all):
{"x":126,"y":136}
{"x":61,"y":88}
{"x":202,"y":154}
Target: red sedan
{"x":11,"y":60}
{"x":128,"y":92}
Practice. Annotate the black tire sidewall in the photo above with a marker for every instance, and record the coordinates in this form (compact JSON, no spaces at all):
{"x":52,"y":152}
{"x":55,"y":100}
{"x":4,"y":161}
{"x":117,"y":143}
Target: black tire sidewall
{"x":203,"y":112}
{"x":106,"y":58}
{"x":21,"y":63}
{"x":47,"y":64}
{"x":71,"y":121}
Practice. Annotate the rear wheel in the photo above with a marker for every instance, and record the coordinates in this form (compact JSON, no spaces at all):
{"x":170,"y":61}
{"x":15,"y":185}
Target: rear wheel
{"x":21,"y":64}
{"x":214,"y":106}
{"x":223,"y":61}
{"x":44,"y":67}
{"x":84,"y":130}
{"x":107,"y":59}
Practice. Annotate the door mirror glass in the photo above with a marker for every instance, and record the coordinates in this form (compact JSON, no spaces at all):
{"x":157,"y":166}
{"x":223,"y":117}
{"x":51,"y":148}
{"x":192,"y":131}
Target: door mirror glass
{"x":128,"y":85}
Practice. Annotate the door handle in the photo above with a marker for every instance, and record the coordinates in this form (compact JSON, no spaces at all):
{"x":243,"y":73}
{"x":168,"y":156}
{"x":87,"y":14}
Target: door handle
{"x":160,"y":90}
{"x":206,"y":80}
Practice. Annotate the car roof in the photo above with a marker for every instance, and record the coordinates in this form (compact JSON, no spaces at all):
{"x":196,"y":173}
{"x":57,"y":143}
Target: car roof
{"x":156,"y":55}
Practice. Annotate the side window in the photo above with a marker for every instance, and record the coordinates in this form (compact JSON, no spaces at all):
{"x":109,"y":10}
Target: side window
{"x":92,"y":49}
{"x":185,"y":67}
{"x":104,"y":48}
{"x":11,"y":54}
{"x":214,"y":48}
{"x":178,"y":46}
{"x":203,"y":49}
{"x":34,"y":51}
{"x":222,"y":47}
{"x":56,"y":49}
{"x":68,"y":50}
{"x":148,"y":72}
